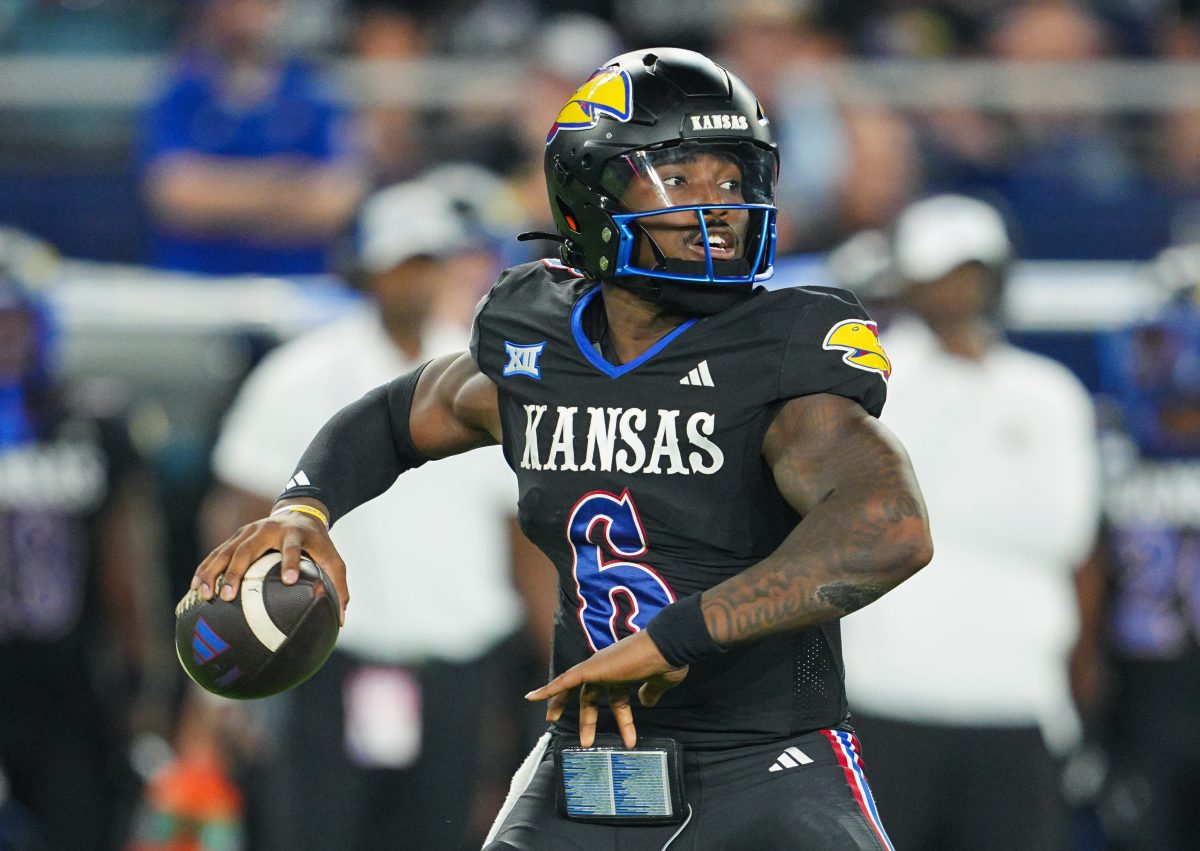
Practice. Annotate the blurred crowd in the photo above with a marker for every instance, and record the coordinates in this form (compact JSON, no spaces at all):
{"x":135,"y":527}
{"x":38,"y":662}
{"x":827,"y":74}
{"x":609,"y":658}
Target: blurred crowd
{"x":1065,"y":511}
{"x":857,"y":160}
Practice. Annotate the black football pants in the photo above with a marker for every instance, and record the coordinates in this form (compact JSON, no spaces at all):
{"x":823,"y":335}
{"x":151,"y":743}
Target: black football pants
{"x":807,"y":792}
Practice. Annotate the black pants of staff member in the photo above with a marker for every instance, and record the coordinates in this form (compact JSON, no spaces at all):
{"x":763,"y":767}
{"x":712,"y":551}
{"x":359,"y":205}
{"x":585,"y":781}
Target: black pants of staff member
{"x":63,"y":767}
{"x":950,"y":788}
{"x":317,"y":798}
{"x":1153,"y":799}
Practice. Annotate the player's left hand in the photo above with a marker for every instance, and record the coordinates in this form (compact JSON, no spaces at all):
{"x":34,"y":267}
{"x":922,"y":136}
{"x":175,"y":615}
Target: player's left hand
{"x":613,"y":669}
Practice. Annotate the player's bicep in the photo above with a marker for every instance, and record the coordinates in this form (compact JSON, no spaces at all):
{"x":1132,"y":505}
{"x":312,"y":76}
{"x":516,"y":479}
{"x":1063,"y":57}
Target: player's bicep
{"x":821,"y":445}
{"x":455,"y":408}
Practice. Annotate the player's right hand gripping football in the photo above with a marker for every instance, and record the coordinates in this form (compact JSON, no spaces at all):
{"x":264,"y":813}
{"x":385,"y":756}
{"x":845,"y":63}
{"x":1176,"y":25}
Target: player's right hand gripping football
{"x":291,"y":533}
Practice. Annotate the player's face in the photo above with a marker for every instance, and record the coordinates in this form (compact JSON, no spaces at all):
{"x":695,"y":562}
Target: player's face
{"x":17,"y":344}
{"x":700,"y":179}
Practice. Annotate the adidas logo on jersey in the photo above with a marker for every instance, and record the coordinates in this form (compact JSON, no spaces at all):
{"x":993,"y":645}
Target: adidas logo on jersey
{"x":699,"y":376}
{"x":793,"y":757}
{"x":298,"y":481}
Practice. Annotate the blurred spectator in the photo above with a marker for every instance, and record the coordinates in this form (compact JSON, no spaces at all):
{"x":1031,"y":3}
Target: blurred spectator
{"x":495,"y":28}
{"x":918,"y":30}
{"x":84,"y":653}
{"x":249,"y":165}
{"x":856,"y":166}
{"x":64,"y":164}
{"x":392,"y":722}
{"x":1151,"y":374}
{"x":959,"y":679}
{"x":72,"y":30}
{"x":1175,"y":155}
{"x":688,"y":24}
{"x":889,"y":28}
{"x":492,"y":214}
{"x":779,"y":49}
{"x":389,"y":31}
{"x":1061,"y":172}
{"x":885,"y":171}
{"x":565,"y":48}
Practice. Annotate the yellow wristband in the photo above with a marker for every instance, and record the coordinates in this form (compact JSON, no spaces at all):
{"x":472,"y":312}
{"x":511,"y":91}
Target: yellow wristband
{"x":304,"y":509}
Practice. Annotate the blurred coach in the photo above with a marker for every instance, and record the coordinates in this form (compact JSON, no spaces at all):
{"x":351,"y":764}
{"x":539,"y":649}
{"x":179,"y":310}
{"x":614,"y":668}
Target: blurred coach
{"x":959,"y":679}
{"x":392,"y":722}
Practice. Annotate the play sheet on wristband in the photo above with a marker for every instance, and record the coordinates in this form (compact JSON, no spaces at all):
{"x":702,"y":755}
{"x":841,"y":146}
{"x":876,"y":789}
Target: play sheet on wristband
{"x":616,"y":783}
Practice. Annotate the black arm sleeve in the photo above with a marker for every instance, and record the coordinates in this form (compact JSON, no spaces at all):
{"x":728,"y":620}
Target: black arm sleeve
{"x":360,"y":451}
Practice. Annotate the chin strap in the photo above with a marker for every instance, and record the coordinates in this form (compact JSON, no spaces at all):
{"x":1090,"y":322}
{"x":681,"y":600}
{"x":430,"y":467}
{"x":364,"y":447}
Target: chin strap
{"x":569,"y":254}
{"x":648,"y":288}
{"x":533,"y":235}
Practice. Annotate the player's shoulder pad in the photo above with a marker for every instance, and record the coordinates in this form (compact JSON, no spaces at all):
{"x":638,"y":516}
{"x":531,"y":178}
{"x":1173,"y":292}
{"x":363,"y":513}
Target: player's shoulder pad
{"x":830,"y":298}
{"x":793,"y":305}
{"x":834,"y":347}
{"x":517,"y":293}
{"x":824,"y":310}
{"x":524,"y":279}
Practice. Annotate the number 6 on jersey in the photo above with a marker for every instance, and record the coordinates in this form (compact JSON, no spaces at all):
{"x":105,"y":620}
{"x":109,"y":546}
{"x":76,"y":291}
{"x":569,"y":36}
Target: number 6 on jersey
{"x":599,"y":580}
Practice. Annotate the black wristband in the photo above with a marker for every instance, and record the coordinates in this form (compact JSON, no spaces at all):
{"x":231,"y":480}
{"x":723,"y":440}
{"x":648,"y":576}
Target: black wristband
{"x":680,"y":633}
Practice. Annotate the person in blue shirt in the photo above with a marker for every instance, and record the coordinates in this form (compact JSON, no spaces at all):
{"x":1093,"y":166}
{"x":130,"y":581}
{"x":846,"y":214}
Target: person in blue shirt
{"x":249,"y":165}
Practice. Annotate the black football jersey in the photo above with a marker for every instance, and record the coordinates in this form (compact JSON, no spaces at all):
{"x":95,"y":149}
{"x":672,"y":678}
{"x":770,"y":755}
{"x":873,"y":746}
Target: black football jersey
{"x":644,"y":482}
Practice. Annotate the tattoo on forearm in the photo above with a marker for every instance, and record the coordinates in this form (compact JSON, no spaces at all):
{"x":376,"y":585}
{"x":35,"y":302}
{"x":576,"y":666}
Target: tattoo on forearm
{"x":768,"y":602}
{"x":903,"y":506}
{"x":838,"y":559}
{"x":848,"y":597}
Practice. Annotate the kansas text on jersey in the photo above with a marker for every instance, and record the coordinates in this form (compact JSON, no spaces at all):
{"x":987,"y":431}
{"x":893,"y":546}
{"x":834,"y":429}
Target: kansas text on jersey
{"x":644,"y":482}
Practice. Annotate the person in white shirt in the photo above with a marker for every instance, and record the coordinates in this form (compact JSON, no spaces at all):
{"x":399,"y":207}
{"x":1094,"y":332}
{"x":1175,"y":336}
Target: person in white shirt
{"x":393,"y":719}
{"x":959,"y":679}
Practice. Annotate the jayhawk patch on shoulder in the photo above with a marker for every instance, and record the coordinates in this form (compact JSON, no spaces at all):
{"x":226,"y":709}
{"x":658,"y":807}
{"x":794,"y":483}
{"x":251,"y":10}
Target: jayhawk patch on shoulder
{"x":859,"y":339}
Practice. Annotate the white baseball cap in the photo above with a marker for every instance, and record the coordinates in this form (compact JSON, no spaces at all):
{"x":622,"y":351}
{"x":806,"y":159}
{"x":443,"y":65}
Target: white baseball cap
{"x":407,"y":220}
{"x":935,"y":236}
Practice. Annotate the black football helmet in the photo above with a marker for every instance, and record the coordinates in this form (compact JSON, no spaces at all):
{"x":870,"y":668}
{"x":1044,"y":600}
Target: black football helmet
{"x":661,"y":173}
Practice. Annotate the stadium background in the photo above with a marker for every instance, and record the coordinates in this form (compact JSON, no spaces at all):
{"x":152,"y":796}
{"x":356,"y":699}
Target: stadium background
{"x":1087,"y":138}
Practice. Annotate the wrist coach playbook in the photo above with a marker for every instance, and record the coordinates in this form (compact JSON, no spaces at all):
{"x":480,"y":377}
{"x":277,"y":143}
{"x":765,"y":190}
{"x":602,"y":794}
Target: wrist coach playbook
{"x":611,"y":784}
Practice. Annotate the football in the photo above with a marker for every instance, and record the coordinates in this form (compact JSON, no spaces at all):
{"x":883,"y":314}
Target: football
{"x":268,"y":639}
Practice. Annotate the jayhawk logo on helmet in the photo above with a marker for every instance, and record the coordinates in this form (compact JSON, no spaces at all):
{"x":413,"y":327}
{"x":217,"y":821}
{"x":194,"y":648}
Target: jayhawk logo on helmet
{"x":859,"y":339}
{"x":607,"y":92}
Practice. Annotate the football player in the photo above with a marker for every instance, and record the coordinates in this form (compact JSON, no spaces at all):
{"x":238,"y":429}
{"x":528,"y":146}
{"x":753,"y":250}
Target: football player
{"x":81,"y":671}
{"x":700,"y":459}
{"x":1150,"y":374}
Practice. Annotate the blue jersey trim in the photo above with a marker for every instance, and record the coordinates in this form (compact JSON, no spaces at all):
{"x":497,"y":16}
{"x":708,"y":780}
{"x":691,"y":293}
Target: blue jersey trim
{"x":598,"y":361}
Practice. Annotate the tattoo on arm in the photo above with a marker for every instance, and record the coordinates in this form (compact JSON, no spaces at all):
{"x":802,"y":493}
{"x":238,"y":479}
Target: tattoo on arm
{"x":849,"y":597}
{"x":864,"y":528}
